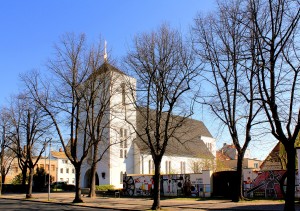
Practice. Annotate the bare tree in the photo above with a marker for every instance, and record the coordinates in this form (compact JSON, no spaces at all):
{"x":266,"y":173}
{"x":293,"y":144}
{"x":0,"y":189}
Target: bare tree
{"x":275,"y":27}
{"x":69,"y":100}
{"x":165,"y":70}
{"x":28,"y":133}
{"x":221,"y":42}
{"x":6,"y":155}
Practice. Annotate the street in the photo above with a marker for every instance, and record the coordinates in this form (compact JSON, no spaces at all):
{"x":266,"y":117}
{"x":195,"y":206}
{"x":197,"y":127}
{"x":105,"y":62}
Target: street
{"x":22,"y":205}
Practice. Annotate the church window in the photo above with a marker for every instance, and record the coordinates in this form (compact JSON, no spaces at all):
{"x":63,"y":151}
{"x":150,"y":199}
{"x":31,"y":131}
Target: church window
{"x":121,"y":177}
{"x":121,"y":153}
{"x":167,"y":167}
{"x":150,"y":166}
{"x":182,"y":167}
{"x":123,"y":93}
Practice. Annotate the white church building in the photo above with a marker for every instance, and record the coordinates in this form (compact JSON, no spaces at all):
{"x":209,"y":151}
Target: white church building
{"x":127,"y":154}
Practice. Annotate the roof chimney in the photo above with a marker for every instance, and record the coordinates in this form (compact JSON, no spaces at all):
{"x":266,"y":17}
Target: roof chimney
{"x":60,"y":149}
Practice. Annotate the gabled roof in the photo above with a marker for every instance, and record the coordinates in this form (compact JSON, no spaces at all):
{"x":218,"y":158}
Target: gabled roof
{"x":59,"y":155}
{"x":221,"y":156}
{"x":185,"y":142}
{"x":272,"y":161}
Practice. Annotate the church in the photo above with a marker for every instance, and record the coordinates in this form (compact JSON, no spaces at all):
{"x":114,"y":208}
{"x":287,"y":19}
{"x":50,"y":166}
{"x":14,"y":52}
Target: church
{"x":124,"y":153}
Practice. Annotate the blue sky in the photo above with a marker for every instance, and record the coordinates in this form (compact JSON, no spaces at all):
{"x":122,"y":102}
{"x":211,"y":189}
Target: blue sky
{"x":30,"y":28}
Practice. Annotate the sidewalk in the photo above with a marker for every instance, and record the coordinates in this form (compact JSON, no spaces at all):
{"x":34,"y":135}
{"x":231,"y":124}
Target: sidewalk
{"x":145,"y":204}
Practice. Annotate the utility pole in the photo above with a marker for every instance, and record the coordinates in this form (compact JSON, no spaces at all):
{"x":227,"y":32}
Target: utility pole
{"x":49,"y":178}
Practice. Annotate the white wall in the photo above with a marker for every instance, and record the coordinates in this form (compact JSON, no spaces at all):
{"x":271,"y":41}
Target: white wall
{"x":169,"y":165}
{"x":65,"y":165}
{"x":122,"y":117}
{"x":210,"y":143}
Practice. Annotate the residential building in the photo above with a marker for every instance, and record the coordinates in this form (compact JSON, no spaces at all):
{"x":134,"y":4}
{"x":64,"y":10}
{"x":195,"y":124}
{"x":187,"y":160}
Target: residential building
{"x":227,"y":159}
{"x":65,"y":170}
{"x":43,"y":163}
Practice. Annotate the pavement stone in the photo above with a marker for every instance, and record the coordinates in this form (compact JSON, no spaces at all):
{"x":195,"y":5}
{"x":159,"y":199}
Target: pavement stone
{"x":125,"y":203}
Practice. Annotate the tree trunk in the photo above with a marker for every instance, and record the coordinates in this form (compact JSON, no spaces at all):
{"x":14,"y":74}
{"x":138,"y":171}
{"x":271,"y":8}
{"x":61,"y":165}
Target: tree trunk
{"x":238,"y":189}
{"x":290,"y":189}
{"x":3,"y":175}
{"x":24,"y":175}
{"x":30,"y":183}
{"x":77,"y":185}
{"x":156,"y":191}
{"x":92,"y":193}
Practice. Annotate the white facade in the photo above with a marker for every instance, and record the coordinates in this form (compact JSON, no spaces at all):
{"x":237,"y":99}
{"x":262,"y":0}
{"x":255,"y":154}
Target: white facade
{"x":118,"y":159}
{"x":65,"y":170}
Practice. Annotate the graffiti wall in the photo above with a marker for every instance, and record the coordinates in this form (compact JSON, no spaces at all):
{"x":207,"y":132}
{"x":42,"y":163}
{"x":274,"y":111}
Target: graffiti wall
{"x":268,"y":184}
{"x":170,"y":185}
{"x":265,"y":185}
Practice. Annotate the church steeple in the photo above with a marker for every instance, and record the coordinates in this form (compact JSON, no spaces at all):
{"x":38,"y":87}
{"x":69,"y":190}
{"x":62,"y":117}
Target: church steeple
{"x":105,"y":53}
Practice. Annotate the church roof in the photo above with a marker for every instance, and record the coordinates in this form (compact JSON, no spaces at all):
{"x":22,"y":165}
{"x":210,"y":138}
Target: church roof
{"x":105,"y":68}
{"x":185,"y":142}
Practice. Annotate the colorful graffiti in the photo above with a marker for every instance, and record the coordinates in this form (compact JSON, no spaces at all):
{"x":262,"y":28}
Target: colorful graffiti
{"x":170,"y":185}
{"x":265,"y":185}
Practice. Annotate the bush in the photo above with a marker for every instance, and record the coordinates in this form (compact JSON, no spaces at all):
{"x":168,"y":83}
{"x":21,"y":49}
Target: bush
{"x":105,"y":187}
{"x":17,"y":180}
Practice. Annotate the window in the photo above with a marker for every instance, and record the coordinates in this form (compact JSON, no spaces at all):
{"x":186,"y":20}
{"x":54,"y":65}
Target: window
{"x":67,"y":170}
{"x":47,"y":167}
{"x":121,"y":153}
{"x":61,"y":179}
{"x":41,"y":166}
{"x":121,"y":177}
{"x":52,"y":168}
{"x":73,"y":171}
{"x":62,"y":170}
{"x":123,"y":93}
{"x":150,"y":168}
{"x":73,"y":181}
{"x":209,"y":146}
{"x":121,"y":132}
{"x":125,"y":143}
{"x":256,"y":165}
{"x":167,"y":167}
{"x":182,"y":167}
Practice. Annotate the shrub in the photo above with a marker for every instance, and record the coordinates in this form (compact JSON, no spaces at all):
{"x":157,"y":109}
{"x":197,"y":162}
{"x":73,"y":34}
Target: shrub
{"x":105,"y":187}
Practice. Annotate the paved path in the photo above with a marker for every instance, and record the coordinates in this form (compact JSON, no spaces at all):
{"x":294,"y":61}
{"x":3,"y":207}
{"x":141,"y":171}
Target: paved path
{"x":145,"y":204}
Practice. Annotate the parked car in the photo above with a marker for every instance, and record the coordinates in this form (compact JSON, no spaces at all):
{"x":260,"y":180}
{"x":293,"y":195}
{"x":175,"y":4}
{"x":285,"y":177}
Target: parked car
{"x":63,"y":186}
{"x":59,"y":185}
